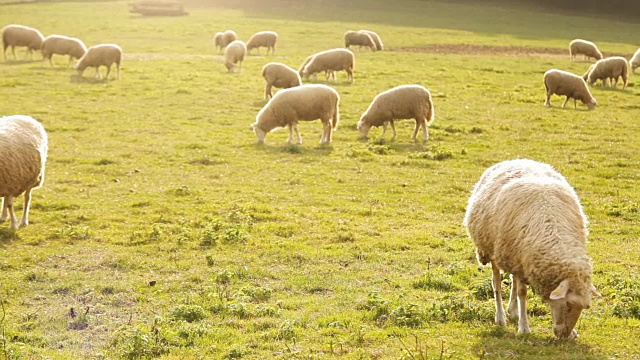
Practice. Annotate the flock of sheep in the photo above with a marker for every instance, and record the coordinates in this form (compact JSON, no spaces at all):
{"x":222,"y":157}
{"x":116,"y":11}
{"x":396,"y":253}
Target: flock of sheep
{"x":523,"y":216}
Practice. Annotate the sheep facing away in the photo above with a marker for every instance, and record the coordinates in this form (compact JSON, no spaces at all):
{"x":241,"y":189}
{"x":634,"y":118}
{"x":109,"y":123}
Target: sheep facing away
{"x":635,"y":61}
{"x":375,"y":37}
{"x":570,"y":85}
{"x":400,"y":102}
{"x":360,"y":39}
{"x":328,"y":61}
{"x":101,"y":55}
{"x":23,"y":155}
{"x":525,"y":219}
{"x":263,"y":39}
{"x":611,"y":68}
{"x":279,"y":75}
{"x":20,"y":35}
{"x":222,"y":39}
{"x":305,"y":102}
{"x":234,"y":54}
{"x":584,"y":47}
{"x":62,"y":45}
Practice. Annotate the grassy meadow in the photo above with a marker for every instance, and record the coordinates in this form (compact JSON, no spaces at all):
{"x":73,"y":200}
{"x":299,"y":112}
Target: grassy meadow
{"x":164,"y":231}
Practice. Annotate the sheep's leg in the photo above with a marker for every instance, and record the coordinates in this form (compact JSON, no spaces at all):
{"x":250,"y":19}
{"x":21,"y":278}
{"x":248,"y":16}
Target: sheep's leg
{"x":97,"y":74}
{"x":575,"y":106}
{"x":328,"y":130}
{"x":70,"y":59}
{"x":267,"y":92}
{"x":547,"y":102}
{"x":497,"y":292}
{"x":13,"y":51}
{"x":425,"y":131}
{"x":415,"y":129}
{"x":4,"y":210}
{"x":523,"y":321}
{"x":290,"y":138}
{"x":384,"y":129}
{"x":108,"y":71}
{"x":295,"y":128}
{"x":512,"y":308}
{"x":565,"y":102}
{"x":9,"y":204}
{"x":393,"y":128}
{"x":27,"y":205}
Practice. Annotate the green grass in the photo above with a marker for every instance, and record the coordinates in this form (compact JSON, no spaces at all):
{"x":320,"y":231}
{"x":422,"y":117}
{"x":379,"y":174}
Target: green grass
{"x":172,"y":234}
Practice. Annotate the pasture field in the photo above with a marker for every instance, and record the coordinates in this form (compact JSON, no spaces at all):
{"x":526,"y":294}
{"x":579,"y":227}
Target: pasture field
{"x":164,"y":231}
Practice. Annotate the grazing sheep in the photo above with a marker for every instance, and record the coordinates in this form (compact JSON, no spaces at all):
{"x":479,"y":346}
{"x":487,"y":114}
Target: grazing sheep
{"x":62,"y":45}
{"x":359,"y":38}
{"x":99,"y":55}
{"x":327,"y":73}
{"x":305,"y":102}
{"x":234,"y":54}
{"x":222,"y":39}
{"x":23,"y":155}
{"x":570,"y":85}
{"x":610,"y":68}
{"x":20,"y":35}
{"x":376,"y":39}
{"x":263,"y":39}
{"x":279,"y":75}
{"x":400,"y":102}
{"x":635,"y":61}
{"x":328,"y":61}
{"x":525,"y":219}
{"x":584,"y":47}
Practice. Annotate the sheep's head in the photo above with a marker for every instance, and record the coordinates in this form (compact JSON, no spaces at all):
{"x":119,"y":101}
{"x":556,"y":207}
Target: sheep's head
{"x":566,"y":306}
{"x":364,"y":127}
{"x":231,"y":67}
{"x":260,"y":134}
{"x":591,"y":103}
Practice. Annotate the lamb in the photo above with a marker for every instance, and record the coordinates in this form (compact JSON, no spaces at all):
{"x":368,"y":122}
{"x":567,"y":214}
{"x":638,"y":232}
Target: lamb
{"x":279,"y":75}
{"x":263,"y":39}
{"x":222,"y":39}
{"x":610,"y":68}
{"x":635,"y":61}
{"x":584,"y":47}
{"x":525,"y":219}
{"x":400,"y":102}
{"x":19,"y":35}
{"x":23,"y":155}
{"x":570,"y":85}
{"x":330,"y":60}
{"x":376,"y":39}
{"x":99,"y":55}
{"x":305,"y":102}
{"x":62,"y":45}
{"x":360,"y":39}
{"x":234,"y":54}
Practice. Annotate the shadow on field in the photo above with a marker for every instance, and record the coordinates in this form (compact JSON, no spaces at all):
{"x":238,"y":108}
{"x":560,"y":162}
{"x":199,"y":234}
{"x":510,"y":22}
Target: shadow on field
{"x":75,"y":78}
{"x":9,"y":62}
{"x":313,"y":149}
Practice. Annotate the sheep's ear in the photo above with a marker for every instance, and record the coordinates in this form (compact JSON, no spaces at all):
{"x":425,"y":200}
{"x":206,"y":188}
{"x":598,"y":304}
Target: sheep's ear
{"x":561,"y":291}
{"x":594,"y":291}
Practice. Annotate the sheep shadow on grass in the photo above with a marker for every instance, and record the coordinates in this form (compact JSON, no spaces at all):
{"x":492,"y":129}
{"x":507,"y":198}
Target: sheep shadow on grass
{"x":12,"y":62}
{"x":75,"y":78}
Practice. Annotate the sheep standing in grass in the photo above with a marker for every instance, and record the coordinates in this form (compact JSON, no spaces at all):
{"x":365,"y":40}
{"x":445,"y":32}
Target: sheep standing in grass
{"x":329,"y":61}
{"x":360,"y":39}
{"x":62,"y":45}
{"x":222,"y":39}
{"x":400,"y":102}
{"x":570,"y":85}
{"x":234,"y":54}
{"x":525,"y":219}
{"x":304,"y":102}
{"x":263,"y":39}
{"x":635,"y":61}
{"x":584,"y":47}
{"x":376,"y":39}
{"x":327,"y":73}
{"x":611,"y":68}
{"x":101,"y":55}
{"x":23,"y":155}
{"x":279,"y":75}
{"x":20,"y":35}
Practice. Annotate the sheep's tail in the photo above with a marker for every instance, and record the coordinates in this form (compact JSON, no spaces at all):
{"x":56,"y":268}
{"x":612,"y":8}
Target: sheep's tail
{"x":336,"y":115}
{"x":431,"y":113}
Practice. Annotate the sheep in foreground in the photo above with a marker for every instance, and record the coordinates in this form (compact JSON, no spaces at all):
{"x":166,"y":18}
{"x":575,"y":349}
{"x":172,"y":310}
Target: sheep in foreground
{"x":525,"y":219}
{"x":20,"y":35}
{"x":329,"y":61}
{"x":234,"y":54}
{"x":584,"y":47}
{"x":101,"y":55}
{"x":360,"y":39}
{"x":635,"y":61}
{"x":62,"y":45}
{"x":263,"y":39}
{"x":23,"y":155}
{"x":400,"y":102}
{"x":376,"y":39}
{"x":570,"y":85}
{"x":279,"y":75}
{"x":222,"y":39}
{"x":305,"y":102}
{"x":611,"y":68}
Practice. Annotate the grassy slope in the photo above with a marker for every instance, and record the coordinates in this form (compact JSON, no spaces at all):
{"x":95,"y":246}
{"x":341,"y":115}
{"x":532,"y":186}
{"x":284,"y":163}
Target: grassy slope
{"x":353,"y":250}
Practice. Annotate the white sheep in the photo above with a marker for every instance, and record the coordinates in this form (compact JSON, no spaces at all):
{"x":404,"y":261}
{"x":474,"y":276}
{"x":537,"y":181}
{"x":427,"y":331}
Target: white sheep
{"x":305,"y":102}
{"x":23,"y":155}
{"x":570,"y":85}
{"x":62,"y":45}
{"x":222,"y":39}
{"x":635,"y":61}
{"x":584,"y":47}
{"x":234,"y":54}
{"x":525,"y":219}
{"x":328,"y":61}
{"x":376,"y":39}
{"x":263,"y":39}
{"x":360,"y":39}
{"x":611,"y":69}
{"x":99,"y":55}
{"x":19,"y":35}
{"x":279,"y":75}
{"x":327,"y":73}
{"x":400,"y":102}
